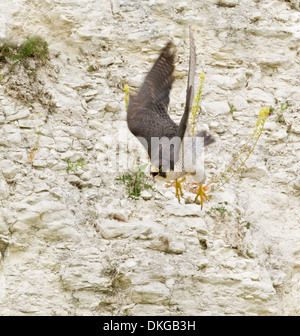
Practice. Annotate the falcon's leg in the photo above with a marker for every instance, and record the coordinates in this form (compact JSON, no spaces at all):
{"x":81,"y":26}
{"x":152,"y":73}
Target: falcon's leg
{"x":178,"y":187}
{"x":201,"y":193}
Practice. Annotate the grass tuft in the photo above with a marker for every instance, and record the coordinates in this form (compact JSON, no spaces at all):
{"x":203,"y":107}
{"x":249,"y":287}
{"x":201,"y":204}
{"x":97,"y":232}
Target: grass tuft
{"x":136,"y":181}
{"x":34,"y":47}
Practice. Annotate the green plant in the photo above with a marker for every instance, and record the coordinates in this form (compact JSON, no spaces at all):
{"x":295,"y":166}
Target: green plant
{"x":280,"y":113}
{"x":232,"y":108}
{"x":34,"y":47}
{"x":249,"y":254}
{"x":240,"y":159}
{"x":20,"y":64}
{"x":222,"y":211}
{"x":243,"y":222}
{"x":74,"y":166}
{"x":279,"y":117}
{"x":7,"y":50}
{"x":135,"y":182}
{"x":196,"y":103}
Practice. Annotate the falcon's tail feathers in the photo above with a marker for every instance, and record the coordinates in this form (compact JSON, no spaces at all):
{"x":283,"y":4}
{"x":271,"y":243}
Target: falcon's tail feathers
{"x":208,"y":138}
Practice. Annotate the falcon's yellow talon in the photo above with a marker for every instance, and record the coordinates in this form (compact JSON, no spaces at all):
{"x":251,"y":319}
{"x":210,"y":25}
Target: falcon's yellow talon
{"x":201,"y":193}
{"x":178,"y":187}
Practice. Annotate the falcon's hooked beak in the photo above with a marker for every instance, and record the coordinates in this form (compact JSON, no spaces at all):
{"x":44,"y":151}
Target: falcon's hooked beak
{"x":157,"y":172}
{"x":153,"y":175}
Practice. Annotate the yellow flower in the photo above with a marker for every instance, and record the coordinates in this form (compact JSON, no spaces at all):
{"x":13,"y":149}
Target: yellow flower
{"x":264,"y":112}
{"x":239,"y":160}
{"x":196,"y":102}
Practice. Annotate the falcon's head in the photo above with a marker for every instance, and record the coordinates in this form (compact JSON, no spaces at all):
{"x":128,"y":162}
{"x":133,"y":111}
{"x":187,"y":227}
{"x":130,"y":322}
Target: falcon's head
{"x":163,"y":159}
{"x":157,"y":172}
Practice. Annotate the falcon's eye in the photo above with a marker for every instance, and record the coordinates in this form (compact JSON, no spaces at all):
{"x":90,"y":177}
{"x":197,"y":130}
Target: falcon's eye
{"x":160,"y":168}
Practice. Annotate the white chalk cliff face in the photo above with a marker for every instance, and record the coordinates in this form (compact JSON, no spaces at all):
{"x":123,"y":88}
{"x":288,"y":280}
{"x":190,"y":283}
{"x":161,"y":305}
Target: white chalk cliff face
{"x":72,"y":243}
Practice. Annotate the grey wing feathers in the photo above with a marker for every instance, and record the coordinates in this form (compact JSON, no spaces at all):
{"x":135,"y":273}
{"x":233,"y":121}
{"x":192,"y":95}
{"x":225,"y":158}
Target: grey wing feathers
{"x":192,"y":67}
{"x":157,"y":84}
{"x":190,"y":89}
{"x":207,"y":138}
{"x":159,"y":80}
{"x":147,"y":114}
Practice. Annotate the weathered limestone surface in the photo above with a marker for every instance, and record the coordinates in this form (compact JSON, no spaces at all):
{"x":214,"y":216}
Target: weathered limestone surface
{"x":72,"y":243}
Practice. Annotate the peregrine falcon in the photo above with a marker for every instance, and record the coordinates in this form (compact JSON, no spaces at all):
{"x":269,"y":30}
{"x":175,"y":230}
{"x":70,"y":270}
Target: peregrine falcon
{"x":149,"y":121}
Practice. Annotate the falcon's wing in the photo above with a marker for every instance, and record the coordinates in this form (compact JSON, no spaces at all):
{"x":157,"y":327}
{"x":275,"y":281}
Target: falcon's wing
{"x":147,"y":114}
{"x":190,"y":88}
{"x":192,"y":67}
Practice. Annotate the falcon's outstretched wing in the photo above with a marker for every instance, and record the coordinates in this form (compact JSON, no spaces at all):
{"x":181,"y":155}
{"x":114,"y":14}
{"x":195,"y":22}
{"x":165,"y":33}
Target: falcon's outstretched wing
{"x":190,"y":88}
{"x":147,"y":114}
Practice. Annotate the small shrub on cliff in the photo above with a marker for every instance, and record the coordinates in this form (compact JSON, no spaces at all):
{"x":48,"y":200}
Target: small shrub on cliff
{"x":136,"y":182}
{"x":34,"y":47}
{"x":20,"y":64}
{"x":7,"y":50}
